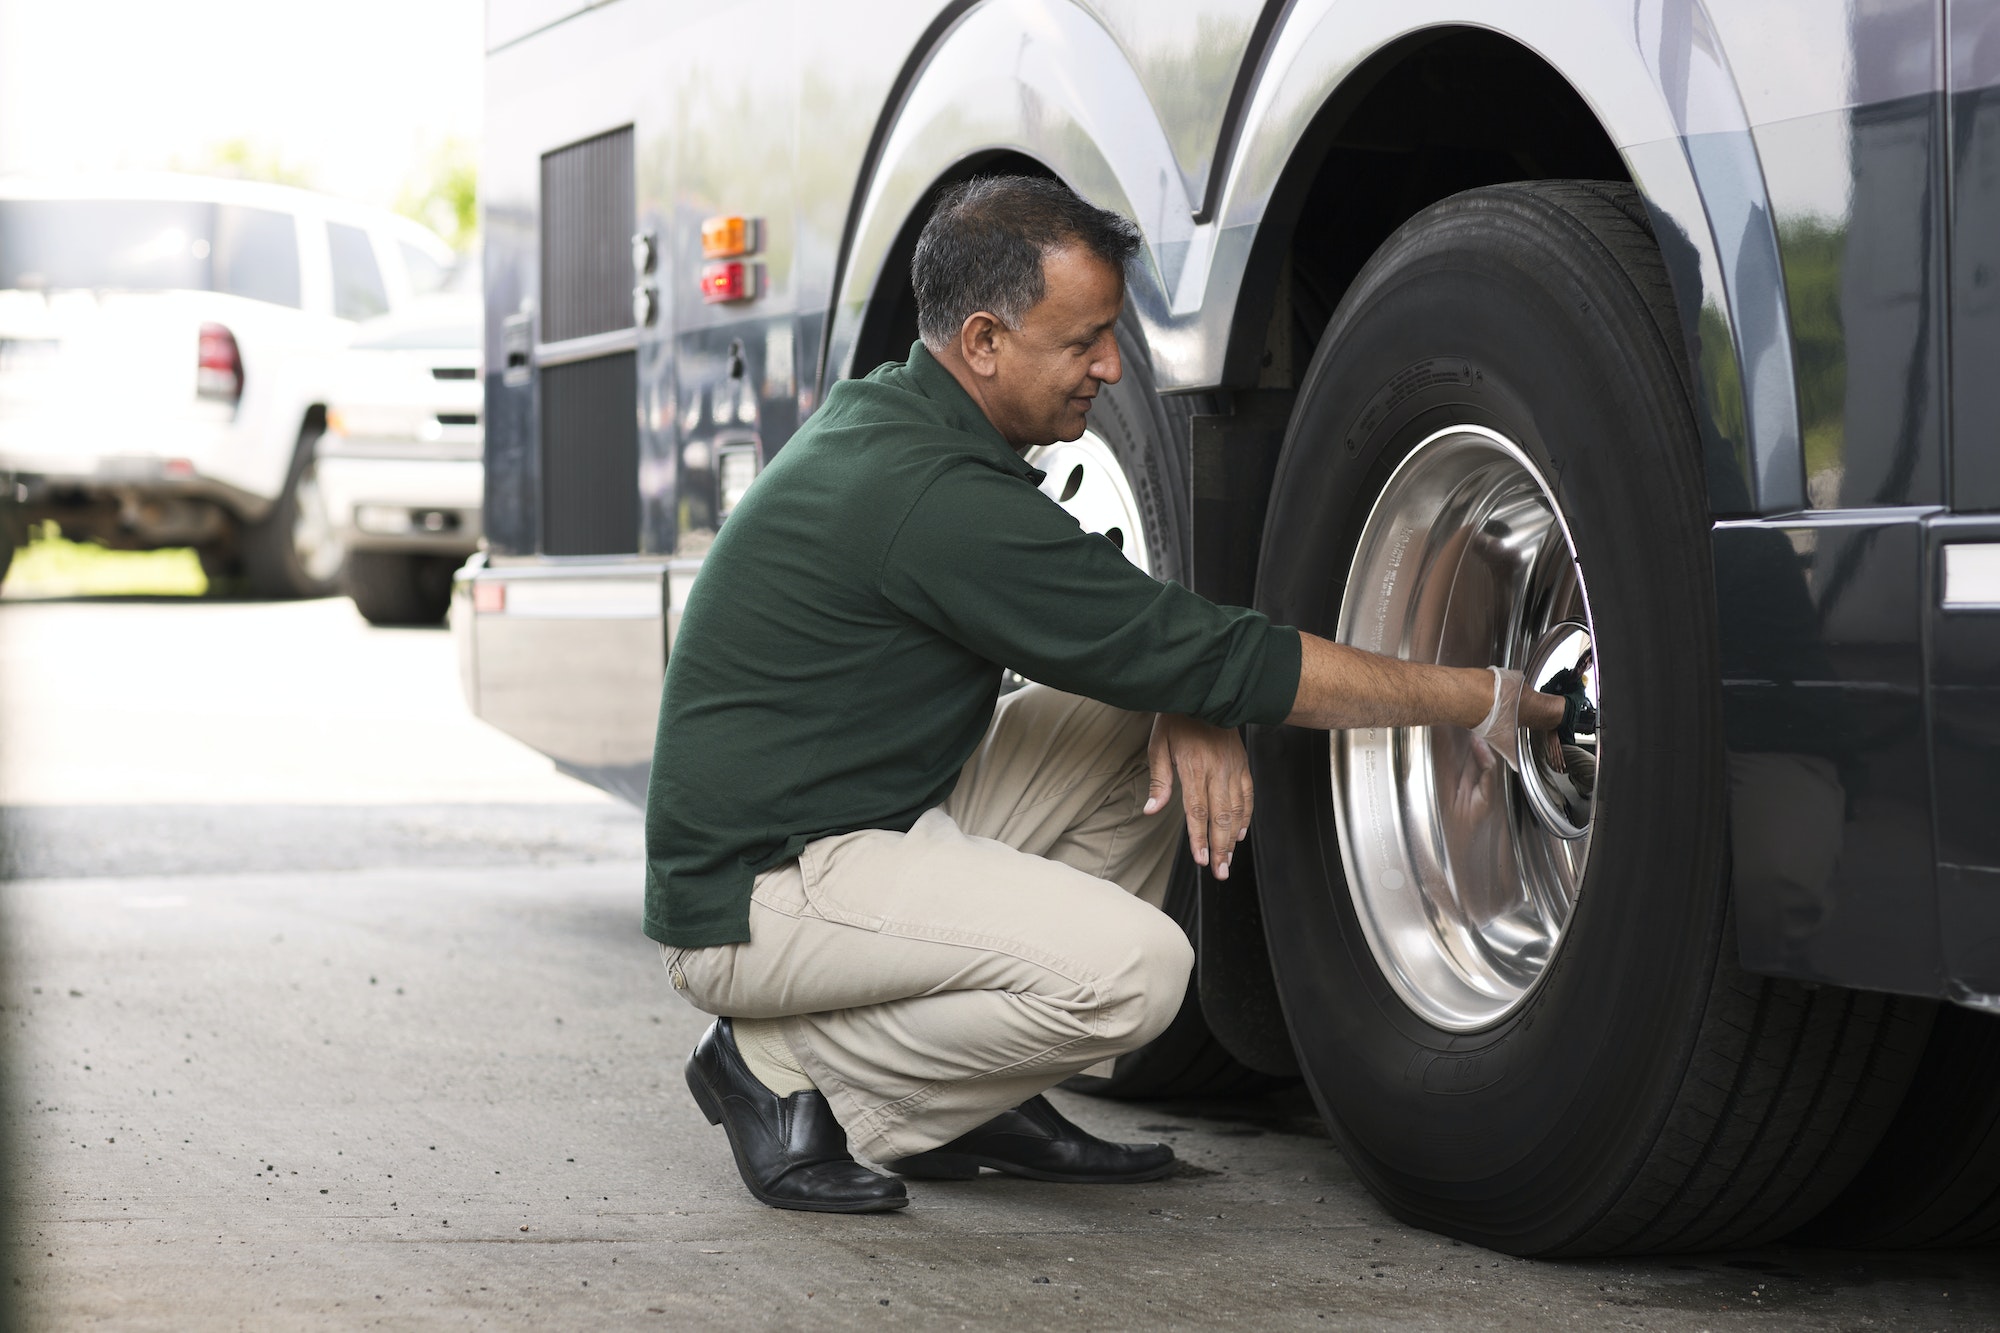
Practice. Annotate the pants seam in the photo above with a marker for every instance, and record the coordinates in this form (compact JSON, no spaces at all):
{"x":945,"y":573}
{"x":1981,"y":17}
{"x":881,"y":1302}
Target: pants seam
{"x":1118,"y":836}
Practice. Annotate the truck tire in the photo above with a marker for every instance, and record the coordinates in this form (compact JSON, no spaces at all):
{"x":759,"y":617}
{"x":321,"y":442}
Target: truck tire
{"x":295,"y":550}
{"x":1936,"y":1178}
{"x":398,"y":588}
{"x":1517,"y":1003}
{"x":1121,"y":479}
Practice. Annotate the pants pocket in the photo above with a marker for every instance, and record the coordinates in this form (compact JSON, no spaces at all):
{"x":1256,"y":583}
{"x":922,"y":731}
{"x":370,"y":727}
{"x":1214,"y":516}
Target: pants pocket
{"x":824,"y":862}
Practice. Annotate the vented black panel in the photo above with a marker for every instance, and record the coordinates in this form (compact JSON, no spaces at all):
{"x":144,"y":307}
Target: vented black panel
{"x":590,"y":456}
{"x":587,"y":225}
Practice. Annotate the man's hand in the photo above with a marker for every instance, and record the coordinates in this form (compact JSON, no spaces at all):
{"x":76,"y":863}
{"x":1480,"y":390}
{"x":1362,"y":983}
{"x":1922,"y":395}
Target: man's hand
{"x":1214,"y":775}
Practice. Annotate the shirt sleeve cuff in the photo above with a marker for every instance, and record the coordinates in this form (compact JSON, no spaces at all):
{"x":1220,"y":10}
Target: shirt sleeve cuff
{"x":1278,"y":685}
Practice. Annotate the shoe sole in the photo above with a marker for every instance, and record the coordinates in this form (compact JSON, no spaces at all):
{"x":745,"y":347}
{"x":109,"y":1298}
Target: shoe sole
{"x":711,"y":1107}
{"x":965,"y":1166}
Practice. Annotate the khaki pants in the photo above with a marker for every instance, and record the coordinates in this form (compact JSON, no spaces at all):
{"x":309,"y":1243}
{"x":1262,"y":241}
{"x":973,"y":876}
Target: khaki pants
{"x":930,"y":980}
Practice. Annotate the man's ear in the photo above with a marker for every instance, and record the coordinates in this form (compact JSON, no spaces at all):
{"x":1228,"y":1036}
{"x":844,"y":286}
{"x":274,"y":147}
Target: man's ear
{"x":979,"y":343}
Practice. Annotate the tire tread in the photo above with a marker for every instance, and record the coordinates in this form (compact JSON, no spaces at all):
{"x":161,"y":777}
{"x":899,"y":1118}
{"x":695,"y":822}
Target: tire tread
{"x":1935,"y":1179}
{"x":1789,"y":1086}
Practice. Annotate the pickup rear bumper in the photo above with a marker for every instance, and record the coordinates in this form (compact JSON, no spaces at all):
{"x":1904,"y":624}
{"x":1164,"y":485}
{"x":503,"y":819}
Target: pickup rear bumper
{"x":132,"y":503}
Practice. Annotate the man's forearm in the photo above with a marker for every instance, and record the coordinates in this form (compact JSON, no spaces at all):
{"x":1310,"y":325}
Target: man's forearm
{"x":1342,"y":687}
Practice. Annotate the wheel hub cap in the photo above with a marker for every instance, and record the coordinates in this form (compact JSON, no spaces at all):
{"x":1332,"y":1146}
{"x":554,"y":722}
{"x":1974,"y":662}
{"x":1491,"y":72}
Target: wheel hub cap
{"x":1084,"y":477}
{"x":1559,"y":777}
{"x":1463,"y":873}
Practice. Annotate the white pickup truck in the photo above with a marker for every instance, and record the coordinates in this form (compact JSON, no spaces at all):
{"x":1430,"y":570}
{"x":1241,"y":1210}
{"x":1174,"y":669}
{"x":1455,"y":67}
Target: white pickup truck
{"x":399,"y":466}
{"x":163,"y":345}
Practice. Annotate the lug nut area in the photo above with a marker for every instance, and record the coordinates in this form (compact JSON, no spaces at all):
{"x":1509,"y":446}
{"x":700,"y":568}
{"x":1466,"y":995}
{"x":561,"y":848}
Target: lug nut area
{"x":1560,"y":777}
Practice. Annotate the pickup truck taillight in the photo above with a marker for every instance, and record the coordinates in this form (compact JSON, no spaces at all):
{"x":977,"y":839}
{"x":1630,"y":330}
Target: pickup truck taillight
{"x":219,"y":369}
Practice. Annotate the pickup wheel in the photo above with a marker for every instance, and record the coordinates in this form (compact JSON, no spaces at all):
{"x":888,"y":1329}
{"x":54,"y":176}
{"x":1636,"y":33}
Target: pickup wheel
{"x":396,"y":588}
{"x":222,"y":564}
{"x":1516,"y":997}
{"x":295,"y":550}
{"x":1120,"y":479}
{"x":14,"y":530}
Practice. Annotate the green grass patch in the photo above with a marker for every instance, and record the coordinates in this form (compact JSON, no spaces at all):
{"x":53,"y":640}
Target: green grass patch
{"x":50,"y":566}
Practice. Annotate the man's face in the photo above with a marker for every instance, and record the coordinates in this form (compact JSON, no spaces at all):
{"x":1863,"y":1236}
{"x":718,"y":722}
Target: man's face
{"x":1047,"y":370}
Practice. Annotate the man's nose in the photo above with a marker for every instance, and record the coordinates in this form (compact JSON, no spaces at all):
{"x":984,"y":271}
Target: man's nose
{"x":1107,"y":368}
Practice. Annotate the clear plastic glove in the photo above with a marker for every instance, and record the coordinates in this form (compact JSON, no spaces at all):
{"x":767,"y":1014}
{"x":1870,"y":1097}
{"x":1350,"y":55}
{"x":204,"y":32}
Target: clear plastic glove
{"x":1501,"y":729}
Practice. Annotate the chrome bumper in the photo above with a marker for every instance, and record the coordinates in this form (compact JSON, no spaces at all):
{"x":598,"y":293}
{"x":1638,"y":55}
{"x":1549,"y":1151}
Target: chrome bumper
{"x":569,"y":658}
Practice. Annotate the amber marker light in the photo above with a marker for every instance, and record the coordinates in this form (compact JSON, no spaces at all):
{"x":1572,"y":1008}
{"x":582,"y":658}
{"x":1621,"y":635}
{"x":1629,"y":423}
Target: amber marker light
{"x":727,"y":237}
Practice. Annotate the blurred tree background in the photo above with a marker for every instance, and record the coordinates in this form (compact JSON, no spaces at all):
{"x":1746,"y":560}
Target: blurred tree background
{"x":244,"y":158}
{"x":441,"y":190}
{"x":443,"y":193}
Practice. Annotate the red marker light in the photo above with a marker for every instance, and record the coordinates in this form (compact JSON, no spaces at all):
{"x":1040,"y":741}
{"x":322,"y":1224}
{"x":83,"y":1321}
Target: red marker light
{"x":489,"y":596}
{"x":733,"y":281}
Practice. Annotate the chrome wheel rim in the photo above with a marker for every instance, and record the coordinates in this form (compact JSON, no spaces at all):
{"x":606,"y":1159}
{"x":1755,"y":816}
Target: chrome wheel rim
{"x":315,"y":543}
{"x":1464,"y":874}
{"x":1085,"y":478}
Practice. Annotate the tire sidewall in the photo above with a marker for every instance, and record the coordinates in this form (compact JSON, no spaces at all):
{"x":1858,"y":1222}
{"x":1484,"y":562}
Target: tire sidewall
{"x":1551,"y":1102}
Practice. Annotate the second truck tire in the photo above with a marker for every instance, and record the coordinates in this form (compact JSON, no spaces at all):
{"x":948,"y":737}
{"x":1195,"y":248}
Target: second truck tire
{"x":1120,"y":479}
{"x":1935,"y":1181}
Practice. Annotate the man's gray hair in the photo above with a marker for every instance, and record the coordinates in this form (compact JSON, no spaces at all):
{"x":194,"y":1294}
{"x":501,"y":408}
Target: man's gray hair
{"x":983,"y":247}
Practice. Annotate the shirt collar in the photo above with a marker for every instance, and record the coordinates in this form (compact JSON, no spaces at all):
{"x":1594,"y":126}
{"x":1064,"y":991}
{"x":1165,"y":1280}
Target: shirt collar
{"x":962,"y":413}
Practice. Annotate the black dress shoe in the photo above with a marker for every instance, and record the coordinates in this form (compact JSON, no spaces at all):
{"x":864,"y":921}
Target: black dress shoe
{"x":791,"y":1152}
{"x":1033,"y":1140}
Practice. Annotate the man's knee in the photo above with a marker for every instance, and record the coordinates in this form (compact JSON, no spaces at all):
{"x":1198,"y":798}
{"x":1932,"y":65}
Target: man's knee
{"x":1143,"y":996}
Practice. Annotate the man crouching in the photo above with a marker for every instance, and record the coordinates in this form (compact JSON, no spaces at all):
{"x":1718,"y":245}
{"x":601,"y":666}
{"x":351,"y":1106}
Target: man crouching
{"x":915,"y":911}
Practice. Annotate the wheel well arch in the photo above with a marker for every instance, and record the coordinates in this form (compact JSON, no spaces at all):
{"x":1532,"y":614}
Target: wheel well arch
{"x":1436,"y":112}
{"x":889,"y":325}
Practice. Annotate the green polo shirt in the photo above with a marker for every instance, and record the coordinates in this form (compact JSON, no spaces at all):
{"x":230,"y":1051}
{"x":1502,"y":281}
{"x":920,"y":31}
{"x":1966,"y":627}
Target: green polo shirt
{"x":840,"y":655}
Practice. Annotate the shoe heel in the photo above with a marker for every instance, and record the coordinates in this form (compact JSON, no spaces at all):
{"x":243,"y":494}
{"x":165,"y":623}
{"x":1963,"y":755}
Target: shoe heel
{"x":703,"y":1097}
{"x":938,"y":1166}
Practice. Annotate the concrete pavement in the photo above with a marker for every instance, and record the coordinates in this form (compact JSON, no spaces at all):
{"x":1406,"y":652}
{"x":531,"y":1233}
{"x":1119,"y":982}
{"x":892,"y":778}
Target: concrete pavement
{"x":340,"y":1048}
